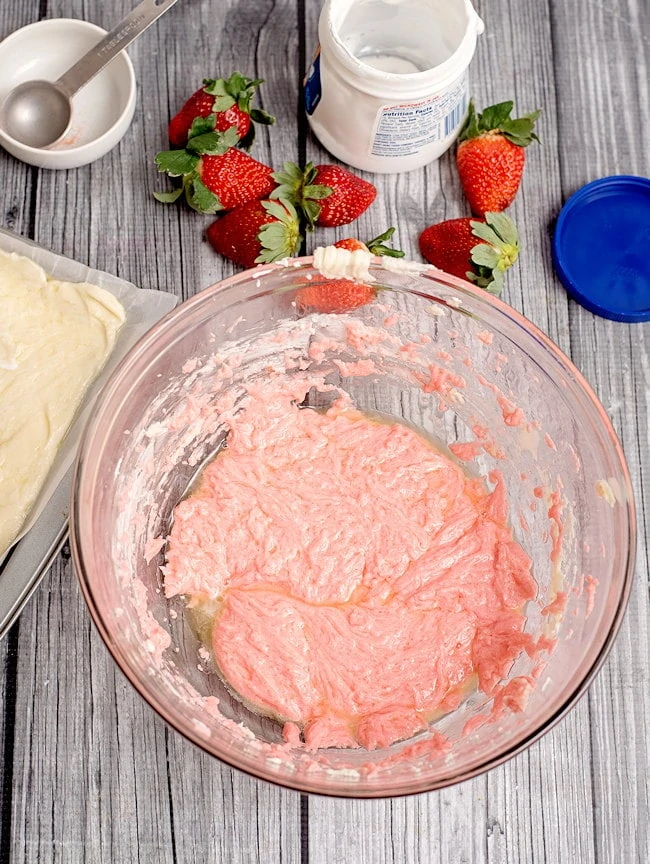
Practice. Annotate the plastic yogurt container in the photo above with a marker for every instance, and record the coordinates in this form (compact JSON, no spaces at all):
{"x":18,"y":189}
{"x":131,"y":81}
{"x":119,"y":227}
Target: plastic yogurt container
{"x":387,"y":88}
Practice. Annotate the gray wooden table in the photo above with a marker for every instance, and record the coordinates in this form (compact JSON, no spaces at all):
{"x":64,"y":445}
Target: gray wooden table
{"x":87,"y":772}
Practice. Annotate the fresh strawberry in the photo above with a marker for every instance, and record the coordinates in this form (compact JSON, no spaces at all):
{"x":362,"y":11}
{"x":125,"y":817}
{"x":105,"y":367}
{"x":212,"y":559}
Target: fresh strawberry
{"x":327,"y":195}
{"x":452,"y":246}
{"x":229,"y":99}
{"x":215,"y":175}
{"x":200,"y":104}
{"x":235,"y":178}
{"x":351,"y":244}
{"x":491,"y":154}
{"x":335,"y":295}
{"x":257,"y":232}
{"x":376,"y":246}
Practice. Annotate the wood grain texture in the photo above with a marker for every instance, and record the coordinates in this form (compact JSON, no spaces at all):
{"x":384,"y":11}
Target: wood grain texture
{"x":87,"y":771}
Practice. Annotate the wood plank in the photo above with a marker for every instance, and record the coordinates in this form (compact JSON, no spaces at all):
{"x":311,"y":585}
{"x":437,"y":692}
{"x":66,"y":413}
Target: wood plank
{"x":98,"y":776}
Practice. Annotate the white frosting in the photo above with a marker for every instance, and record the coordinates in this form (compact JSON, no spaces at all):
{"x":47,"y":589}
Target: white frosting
{"x":54,"y":340}
{"x":403,"y":265}
{"x":333,"y":262}
{"x":7,"y":351}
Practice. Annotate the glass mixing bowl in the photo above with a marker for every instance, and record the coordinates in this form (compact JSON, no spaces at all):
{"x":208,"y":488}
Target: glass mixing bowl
{"x":446,"y":357}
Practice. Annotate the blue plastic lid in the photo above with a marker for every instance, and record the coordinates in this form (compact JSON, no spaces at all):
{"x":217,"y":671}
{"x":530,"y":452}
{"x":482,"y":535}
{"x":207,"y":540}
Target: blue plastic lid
{"x":601,"y":247}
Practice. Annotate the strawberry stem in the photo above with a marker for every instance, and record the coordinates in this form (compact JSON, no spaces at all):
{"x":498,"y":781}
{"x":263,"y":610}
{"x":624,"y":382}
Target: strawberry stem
{"x":378,"y":245}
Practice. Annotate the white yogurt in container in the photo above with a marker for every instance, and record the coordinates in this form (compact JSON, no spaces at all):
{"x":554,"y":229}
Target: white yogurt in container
{"x":387,"y":89}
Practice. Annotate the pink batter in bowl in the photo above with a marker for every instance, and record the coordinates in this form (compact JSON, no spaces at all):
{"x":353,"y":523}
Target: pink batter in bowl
{"x":492,"y":392}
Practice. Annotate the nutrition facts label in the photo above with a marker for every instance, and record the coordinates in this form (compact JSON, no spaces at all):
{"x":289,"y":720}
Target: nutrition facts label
{"x":403,"y":130}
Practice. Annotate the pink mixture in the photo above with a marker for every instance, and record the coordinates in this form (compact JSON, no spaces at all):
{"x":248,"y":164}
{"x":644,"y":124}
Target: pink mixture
{"x":365,"y":583}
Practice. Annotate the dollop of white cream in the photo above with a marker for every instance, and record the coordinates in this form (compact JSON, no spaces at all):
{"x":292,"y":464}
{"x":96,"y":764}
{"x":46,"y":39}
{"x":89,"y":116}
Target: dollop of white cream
{"x":332,"y":262}
{"x":403,"y":265}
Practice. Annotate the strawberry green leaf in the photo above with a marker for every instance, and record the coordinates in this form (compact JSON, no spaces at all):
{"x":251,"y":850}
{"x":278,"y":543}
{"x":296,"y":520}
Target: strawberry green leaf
{"x":199,"y":197}
{"x":275,"y":209}
{"x":484,"y":232}
{"x":213,"y":143}
{"x":176,"y":163}
{"x":283,"y":211}
{"x":262,"y":117}
{"x":521,"y":128}
{"x":495,"y":115}
{"x":296,"y":185}
{"x":532,"y":117}
{"x":388,"y":252}
{"x":245,"y":95}
{"x":223,"y":103}
{"x":201,"y":125}
{"x":290,"y":181}
{"x":290,"y":173}
{"x":168,"y":197}
{"x":317,"y":193}
{"x":279,"y":239}
{"x":504,"y":227}
{"x":470,"y":127}
{"x":237,"y":84}
{"x":485,"y":256}
{"x":520,"y":131}
{"x":209,"y":142}
{"x":491,"y":281}
{"x":311,"y":209}
{"x":495,"y":283}
{"x":274,"y":236}
{"x":382,"y":238}
{"x":223,"y":100}
{"x":498,"y":251}
{"x":236,"y":90}
{"x":229,"y":138}
{"x":496,"y":118}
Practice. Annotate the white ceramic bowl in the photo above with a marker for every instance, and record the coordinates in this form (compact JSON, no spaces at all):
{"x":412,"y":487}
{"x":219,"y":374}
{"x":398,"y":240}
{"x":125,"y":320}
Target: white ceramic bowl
{"x":101,"y":112}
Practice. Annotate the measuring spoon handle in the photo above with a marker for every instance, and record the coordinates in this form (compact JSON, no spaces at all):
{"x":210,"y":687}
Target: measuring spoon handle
{"x":135,"y":23}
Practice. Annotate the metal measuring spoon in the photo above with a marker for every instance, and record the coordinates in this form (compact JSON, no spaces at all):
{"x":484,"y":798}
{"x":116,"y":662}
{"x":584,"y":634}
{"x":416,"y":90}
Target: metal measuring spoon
{"x":37,"y":113}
